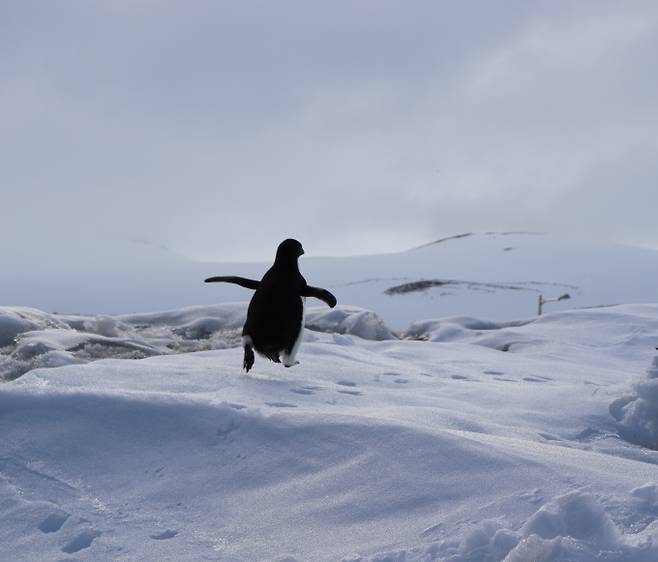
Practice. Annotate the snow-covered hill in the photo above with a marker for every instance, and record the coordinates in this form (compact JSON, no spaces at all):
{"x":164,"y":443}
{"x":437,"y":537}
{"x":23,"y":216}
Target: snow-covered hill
{"x":433,"y":417}
{"x":491,"y":442}
{"x":498,"y":276}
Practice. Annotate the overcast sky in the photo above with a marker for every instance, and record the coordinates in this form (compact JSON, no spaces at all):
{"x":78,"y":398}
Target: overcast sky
{"x":218,"y":128}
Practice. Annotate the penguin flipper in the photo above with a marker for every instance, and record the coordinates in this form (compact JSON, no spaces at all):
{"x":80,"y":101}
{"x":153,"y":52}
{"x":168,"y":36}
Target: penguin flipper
{"x":242,"y":281}
{"x":321,"y":294}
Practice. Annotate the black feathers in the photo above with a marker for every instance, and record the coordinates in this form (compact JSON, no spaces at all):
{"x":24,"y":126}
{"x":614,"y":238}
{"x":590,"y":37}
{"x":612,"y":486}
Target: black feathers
{"x":276,"y":311}
{"x":242,"y":281}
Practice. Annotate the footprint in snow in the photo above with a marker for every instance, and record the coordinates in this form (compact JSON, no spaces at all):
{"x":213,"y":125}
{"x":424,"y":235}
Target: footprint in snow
{"x":228,"y":428}
{"x":308,"y":389}
{"x":236,"y":406}
{"x":81,"y":541}
{"x":351,"y":392}
{"x":534,"y":379}
{"x":401,"y":381}
{"x":493,"y":372}
{"x":280,"y":405}
{"x":304,"y":391}
{"x":459,"y":377}
{"x":503,"y":379}
{"x":346,"y":383}
{"x":168,"y":534}
{"x":53,"y":522}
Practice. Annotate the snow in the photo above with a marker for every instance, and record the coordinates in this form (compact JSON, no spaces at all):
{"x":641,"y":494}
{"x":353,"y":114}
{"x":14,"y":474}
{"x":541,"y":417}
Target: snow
{"x":432,"y":417}
{"x":637,"y":413}
{"x":495,"y":276}
{"x":469,"y":440}
{"x":35,"y":339}
{"x":349,"y":320}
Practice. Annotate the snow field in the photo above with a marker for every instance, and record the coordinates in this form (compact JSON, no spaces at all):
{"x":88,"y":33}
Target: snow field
{"x":494,"y":445}
{"x":493,"y":275}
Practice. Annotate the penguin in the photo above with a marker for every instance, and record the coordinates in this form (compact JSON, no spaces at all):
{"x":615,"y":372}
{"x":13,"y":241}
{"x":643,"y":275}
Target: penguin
{"x":275,"y":317}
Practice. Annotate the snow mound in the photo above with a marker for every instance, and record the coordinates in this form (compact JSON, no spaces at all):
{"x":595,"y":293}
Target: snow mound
{"x":393,"y":450}
{"x":637,"y":415}
{"x":454,"y":328}
{"x":572,"y":527}
{"x":18,"y":320}
{"x":179,"y":464}
{"x":230,"y":315}
{"x":349,"y":320}
{"x":34,"y":339}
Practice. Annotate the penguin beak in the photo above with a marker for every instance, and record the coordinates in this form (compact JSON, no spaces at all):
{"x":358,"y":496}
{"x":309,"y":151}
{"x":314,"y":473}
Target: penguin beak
{"x":302,"y":252}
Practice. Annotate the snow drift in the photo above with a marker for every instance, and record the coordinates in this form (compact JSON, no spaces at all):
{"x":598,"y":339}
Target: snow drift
{"x":368,"y":450}
{"x":637,"y":414}
{"x":33,"y":339}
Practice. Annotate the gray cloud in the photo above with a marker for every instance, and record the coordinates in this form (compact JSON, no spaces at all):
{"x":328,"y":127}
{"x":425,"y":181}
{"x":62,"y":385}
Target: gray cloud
{"x":217,"y":128}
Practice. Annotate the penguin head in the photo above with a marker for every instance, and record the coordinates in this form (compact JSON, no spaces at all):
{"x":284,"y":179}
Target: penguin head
{"x":288,"y":251}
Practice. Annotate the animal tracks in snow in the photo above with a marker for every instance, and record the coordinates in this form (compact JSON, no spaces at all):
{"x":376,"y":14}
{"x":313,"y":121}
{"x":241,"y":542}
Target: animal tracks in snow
{"x":536,"y":378}
{"x":53,"y":522}
{"x":306,"y":390}
{"x":350,"y":388}
{"x":164,"y":535}
{"x":303,"y":391}
{"x":280,"y":405}
{"x":81,"y":541}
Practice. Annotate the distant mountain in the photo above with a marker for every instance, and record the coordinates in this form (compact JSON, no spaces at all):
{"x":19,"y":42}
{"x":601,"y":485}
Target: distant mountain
{"x":491,"y":275}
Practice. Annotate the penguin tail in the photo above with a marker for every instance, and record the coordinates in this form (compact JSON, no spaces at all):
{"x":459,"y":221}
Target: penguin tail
{"x":248,"y":361}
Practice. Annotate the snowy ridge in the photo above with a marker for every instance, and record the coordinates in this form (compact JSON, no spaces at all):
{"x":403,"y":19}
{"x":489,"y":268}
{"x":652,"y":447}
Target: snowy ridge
{"x":496,"y":276}
{"x":493,"y":444}
{"x":31,"y":338}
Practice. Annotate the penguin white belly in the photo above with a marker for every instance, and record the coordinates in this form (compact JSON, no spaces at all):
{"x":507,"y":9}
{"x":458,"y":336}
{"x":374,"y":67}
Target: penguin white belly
{"x":288,"y":359}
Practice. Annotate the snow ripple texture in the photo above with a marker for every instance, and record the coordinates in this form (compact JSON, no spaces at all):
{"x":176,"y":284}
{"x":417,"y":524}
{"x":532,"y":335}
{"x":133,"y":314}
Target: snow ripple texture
{"x":491,"y":442}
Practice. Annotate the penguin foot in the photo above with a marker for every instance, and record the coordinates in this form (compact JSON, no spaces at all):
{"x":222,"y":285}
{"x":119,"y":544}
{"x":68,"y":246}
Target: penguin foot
{"x":291,"y":365}
{"x":248,"y":361}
